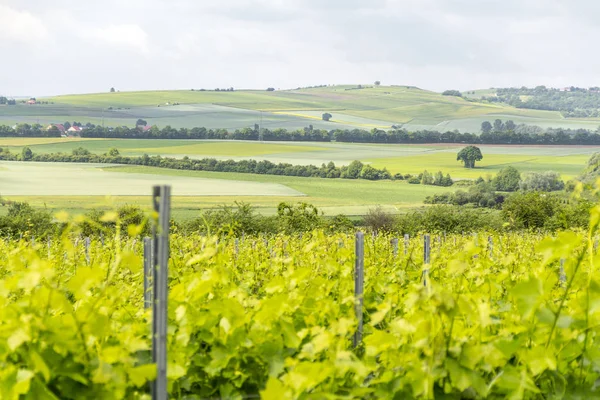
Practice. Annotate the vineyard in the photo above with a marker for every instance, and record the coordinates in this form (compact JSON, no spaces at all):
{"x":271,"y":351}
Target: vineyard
{"x":489,"y":316}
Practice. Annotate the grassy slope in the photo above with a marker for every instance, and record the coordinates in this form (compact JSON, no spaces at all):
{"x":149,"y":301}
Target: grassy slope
{"x":372,"y":106}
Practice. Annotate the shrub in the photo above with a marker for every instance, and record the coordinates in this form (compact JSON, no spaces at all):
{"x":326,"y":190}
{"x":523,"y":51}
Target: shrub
{"x":507,"y":180}
{"x":378,"y":220}
{"x":548,"y":181}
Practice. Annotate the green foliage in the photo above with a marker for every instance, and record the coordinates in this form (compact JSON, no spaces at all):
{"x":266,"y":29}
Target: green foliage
{"x":451,"y":93}
{"x":542,"y":210}
{"x":326,"y":116}
{"x":353,"y":171}
{"x":571,"y":102}
{"x":264,"y":167}
{"x":480,"y":195}
{"x":22,"y":219}
{"x":26,"y":154}
{"x":548,"y":181}
{"x":377,"y":220}
{"x":299,"y":217}
{"x":82,"y":152}
{"x":469,"y":155}
{"x":274,"y":316}
{"x":448,"y":218}
{"x":507,"y":180}
{"x":425,"y":178}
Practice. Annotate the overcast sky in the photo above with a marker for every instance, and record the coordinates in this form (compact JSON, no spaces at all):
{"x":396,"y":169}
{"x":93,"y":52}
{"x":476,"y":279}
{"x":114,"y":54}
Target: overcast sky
{"x":75,"y":46}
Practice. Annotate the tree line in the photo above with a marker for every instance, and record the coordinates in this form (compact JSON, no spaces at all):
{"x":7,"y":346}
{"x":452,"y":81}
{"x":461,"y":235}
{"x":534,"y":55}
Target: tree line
{"x":573,"y":101}
{"x":521,"y":211}
{"x":355,"y":170}
{"x":497,"y":133}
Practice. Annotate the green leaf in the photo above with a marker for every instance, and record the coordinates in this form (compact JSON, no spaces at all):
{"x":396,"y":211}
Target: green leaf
{"x":528,"y":296}
{"x":23,"y":381}
{"x":142,"y":374}
{"x":17,"y":338}
{"x":39,"y":365}
{"x":275,"y":390}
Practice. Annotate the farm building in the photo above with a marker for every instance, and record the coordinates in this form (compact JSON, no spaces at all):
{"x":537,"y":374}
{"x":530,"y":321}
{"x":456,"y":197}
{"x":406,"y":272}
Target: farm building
{"x":60,"y":127}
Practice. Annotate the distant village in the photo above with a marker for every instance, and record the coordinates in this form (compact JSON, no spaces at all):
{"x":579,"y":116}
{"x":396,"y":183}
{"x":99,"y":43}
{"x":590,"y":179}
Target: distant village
{"x":68,"y":130}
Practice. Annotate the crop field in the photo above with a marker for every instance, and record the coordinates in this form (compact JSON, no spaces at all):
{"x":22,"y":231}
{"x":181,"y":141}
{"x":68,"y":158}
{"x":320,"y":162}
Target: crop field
{"x":366,"y":108}
{"x":77,"y":187}
{"x":51,"y":179}
{"x":278,"y":317}
{"x":567,"y":166}
{"x":568,"y":161}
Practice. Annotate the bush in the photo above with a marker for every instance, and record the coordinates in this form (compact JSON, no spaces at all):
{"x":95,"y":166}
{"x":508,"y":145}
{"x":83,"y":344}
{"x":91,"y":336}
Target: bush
{"x":24,"y":219}
{"x":507,"y":180}
{"x":548,"y":181}
{"x":452,"y":93}
{"x":530,"y":209}
{"x":299,"y":217}
{"x":378,"y":220}
{"x":26,"y":154}
{"x":448,"y":218}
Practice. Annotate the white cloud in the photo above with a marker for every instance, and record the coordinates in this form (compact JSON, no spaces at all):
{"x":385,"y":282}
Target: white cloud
{"x":129,"y":36}
{"x":21,"y":26}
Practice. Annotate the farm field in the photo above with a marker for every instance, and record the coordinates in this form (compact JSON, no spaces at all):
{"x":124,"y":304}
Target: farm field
{"x":567,"y":160}
{"x":81,"y":186}
{"x":77,"y":187}
{"x":370,"y":107}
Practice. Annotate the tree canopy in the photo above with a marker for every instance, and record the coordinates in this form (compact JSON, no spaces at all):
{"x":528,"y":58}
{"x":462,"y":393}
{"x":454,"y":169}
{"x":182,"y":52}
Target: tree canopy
{"x":469,"y":155}
{"x":507,"y":179}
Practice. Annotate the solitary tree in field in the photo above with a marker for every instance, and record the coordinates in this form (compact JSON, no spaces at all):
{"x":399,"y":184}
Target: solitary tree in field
{"x":469,"y":155}
{"x":141,"y":122}
{"x":327,"y":117}
{"x":377,"y":83}
{"x":112,"y":89}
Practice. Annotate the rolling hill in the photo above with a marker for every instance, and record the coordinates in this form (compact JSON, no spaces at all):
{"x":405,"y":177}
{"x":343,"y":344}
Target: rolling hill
{"x":351,"y":107}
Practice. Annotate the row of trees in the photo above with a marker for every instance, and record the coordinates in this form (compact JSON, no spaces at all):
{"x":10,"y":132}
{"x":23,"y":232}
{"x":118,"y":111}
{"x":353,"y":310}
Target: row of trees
{"x":528,"y":210}
{"x":355,"y":170}
{"x":6,"y":101}
{"x":571,"y":101}
{"x":437,"y":179}
{"x":521,"y":134}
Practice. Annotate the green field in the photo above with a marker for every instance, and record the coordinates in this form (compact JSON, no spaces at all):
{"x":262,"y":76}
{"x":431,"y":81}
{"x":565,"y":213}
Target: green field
{"x":366,"y":108}
{"x":81,"y":186}
{"x":568,"y":161}
{"x":77,"y":187}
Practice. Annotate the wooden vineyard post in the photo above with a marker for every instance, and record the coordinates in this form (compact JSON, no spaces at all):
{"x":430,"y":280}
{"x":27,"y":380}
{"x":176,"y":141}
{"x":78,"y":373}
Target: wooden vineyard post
{"x":491,"y":246}
{"x":161,"y":200}
{"x":148,"y":264}
{"x":87,"y":243}
{"x":426,"y":257}
{"x":395,"y":247}
{"x":562,"y":277}
{"x":406,"y":243}
{"x":359,"y":280}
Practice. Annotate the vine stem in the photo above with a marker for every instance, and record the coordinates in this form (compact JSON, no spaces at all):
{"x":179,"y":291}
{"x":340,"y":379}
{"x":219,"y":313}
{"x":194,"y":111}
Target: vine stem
{"x":564,"y":297}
